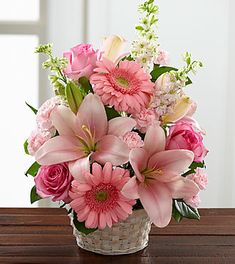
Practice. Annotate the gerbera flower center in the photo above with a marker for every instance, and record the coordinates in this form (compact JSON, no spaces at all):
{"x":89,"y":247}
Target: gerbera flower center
{"x":102,"y":198}
{"x":122,"y":81}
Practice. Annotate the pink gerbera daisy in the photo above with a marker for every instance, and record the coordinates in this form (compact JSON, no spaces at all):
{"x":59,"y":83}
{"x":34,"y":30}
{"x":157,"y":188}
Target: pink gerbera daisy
{"x":126,"y":86}
{"x":97,"y":197}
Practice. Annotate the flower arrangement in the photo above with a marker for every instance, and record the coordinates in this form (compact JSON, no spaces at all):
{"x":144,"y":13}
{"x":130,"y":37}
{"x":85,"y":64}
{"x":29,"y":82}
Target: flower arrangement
{"x":119,"y":134}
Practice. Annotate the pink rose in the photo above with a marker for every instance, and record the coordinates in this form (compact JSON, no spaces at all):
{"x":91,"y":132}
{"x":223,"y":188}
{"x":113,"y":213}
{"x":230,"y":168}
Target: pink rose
{"x":133,"y":140}
{"x":184,"y":135}
{"x":54,"y":181}
{"x":145,"y":118}
{"x":200,"y":178}
{"x":43,"y":120}
{"x":36,"y":139}
{"x":82,"y":61}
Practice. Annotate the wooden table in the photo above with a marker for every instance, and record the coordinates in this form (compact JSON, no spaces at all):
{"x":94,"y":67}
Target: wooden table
{"x":44,"y":235}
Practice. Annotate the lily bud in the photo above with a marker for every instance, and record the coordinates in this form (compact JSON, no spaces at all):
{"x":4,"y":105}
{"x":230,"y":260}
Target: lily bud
{"x":180,"y":110}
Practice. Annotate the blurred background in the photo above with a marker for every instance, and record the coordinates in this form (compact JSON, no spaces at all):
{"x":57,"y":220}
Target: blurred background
{"x":206,"y":28}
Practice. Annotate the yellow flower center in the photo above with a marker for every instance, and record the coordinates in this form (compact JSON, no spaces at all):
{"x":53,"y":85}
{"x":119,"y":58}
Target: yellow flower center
{"x":123,"y":82}
{"x":152,"y":173}
{"x":88,"y":141}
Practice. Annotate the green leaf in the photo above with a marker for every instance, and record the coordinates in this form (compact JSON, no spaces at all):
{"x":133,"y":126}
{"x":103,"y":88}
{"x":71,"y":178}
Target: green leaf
{"x":111,"y":112}
{"x":56,"y":81}
{"x":26,"y":146}
{"x":158,"y":71}
{"x":193,"y":167}
{"x":33,"y":169}
{"x":175,"y":213}
{"x":34,"y":197}
{"x":85,"y":85}
{"x":81,"y":226}
{"x":32,"y":108}
{"x":186,"y":210}
{"x":139,"y":28}
{"x":74,"y":96}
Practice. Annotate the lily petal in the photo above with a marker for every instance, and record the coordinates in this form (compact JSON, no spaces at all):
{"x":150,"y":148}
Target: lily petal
{"x":180,"y":110}
{"x":79,"y":167}
{"x":112,"y":47}
{"x":155,"y":140}
{"x":111,"y":149}
{"x":172,"y":160}
{"x":183,"y":188}
{"x":157,"y":201}
{"x":130,"y":189}
{"x":119,"y":126}
{"x":58,"y":149}
{"x":64,"y":120}
{"x":92,"y":115}
{"x":138,"y":159}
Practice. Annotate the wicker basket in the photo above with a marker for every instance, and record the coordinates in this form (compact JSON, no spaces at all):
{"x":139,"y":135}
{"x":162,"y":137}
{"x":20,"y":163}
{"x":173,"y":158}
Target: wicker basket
{"x":125,"y":237}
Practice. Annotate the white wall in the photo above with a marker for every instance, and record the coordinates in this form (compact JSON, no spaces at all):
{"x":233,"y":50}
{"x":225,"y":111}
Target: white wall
{"x":205,"y":28}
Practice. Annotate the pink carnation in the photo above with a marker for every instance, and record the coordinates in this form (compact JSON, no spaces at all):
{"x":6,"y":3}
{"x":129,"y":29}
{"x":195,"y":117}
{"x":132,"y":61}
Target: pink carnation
{"x":43,"y":120}
{"x":145,"y":118}
{"x":200,"y":178}
{"x":126,"y":86}
{"x":36,"y":139}
{"x":54,"y":181}
{"x":97,"y":198}
{"x":133,"y":140}
{"x":162,"y":58}
{"x":81,"y":61}
{"x":184,"y":135}
{"x":194,"y":201}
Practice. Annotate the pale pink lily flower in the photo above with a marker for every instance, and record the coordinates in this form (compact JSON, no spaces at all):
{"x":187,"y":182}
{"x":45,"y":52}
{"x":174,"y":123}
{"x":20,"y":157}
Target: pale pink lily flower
{"x":113,"y":47}
{"x":86,"y":135}
{"x":158,"y":177}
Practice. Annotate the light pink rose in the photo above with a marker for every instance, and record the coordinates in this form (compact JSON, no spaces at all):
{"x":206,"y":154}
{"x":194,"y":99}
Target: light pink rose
{"x":54,"y":181}
{"x":133,"y":140}
{"x":199,"y":177}
{"x":43,"y":120}
{"x":194,"y":201}
{"x":183,"y":135}
{"x":81,"y":61}
{"x":145,"y":118}
{"x":162,"y":58}
{"x":36,"y":139}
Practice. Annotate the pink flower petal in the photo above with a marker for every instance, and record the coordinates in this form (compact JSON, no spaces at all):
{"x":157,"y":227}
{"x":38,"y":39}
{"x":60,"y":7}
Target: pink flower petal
{"x":130,"y":189}
{"x":157,"y":202}
{"x":111,"y":149}
{"x":172,"y":160}
{"x":63,"y":120}
{"x":138,"y":160}
{"x":155,"y":140}
{"x":79,"y":167}
{"x":58,"y":149}
{"x":119,"y":126}
{"x":183,"y":188}
{"x":92,"y":114}
{"x":107,"y":172}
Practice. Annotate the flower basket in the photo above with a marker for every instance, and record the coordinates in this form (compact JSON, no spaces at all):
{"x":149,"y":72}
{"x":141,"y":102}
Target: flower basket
{"x":118,"y":145}
{"x":125,"y":237}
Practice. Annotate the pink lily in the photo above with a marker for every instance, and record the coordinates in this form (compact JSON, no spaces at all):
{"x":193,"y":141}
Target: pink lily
{"x":157,"y":177}
{"x":86,"y":135}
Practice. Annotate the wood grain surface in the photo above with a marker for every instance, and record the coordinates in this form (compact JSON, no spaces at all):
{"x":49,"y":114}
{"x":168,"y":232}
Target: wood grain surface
{"x":44,"y":235}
